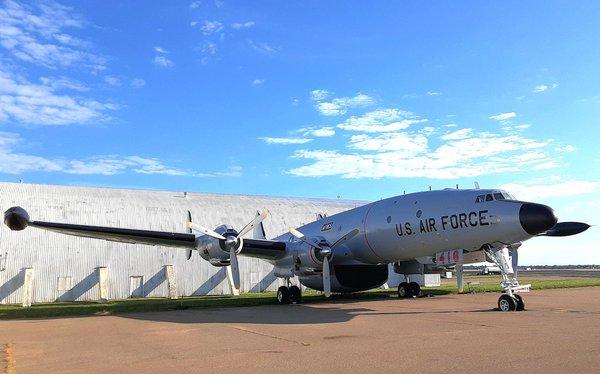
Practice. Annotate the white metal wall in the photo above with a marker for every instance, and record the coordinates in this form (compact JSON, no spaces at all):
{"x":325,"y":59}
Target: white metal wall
{"x":53,"y":255}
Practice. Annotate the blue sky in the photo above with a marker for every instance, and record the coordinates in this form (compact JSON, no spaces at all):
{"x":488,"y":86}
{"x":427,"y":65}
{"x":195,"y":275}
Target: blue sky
{"x":353,"y":99}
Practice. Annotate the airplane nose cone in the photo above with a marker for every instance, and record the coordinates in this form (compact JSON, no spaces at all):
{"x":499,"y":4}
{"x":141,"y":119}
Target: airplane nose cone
{"x":536,"y":218}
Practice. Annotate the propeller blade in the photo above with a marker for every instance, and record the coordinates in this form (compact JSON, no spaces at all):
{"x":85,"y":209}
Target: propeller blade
{"x":310,"y":241}
{"x":345,"y":238}
{"x":189,"y":230}
{"x":234,"y":291}
{"x":295,"y":232}
{"x":256,"y":221}
{"x":235,"y":270}
{"x":205,"y":231}
{"x":326,"y":278}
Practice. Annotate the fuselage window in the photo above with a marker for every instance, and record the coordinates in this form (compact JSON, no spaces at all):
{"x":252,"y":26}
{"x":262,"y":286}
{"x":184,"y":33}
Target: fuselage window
{"x":480,"y":199}
{"x":489,"y":197}
{"x":498,"y":196}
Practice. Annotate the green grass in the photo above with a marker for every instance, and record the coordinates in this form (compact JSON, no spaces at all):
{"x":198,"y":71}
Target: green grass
{"x":45,"y":310}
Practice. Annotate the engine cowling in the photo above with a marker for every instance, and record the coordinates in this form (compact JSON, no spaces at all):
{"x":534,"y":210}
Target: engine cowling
{"x":308,"y":260}
{"x":213,"y":250}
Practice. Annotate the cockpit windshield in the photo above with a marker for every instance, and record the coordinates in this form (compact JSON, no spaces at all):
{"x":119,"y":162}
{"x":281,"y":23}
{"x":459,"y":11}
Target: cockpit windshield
{"x":496,"y":195}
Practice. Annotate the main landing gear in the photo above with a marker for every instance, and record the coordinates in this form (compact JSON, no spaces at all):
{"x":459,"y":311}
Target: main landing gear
{"x":407,"y":290}
{"x":511,"y":300}
{"x":289,"y":294}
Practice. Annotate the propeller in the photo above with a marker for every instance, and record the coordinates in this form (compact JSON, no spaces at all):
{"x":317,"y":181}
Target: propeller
{"x":231,"y":243}
{"x":326,"y":251}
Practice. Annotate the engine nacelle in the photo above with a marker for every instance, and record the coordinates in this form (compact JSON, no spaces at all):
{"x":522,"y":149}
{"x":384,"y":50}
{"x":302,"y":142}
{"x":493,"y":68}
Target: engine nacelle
{"x":308,"y":260}
{"x":213,"y":250}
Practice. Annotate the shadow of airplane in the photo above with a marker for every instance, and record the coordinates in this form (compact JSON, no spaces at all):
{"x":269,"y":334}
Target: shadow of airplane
{"x":294,"y":314}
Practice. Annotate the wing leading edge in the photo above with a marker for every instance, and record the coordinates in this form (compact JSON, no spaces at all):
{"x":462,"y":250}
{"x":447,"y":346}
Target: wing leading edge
{"x":17,"y":219}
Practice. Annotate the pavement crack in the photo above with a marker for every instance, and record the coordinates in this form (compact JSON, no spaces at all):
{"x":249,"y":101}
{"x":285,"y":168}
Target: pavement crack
{"x":239,"y":328}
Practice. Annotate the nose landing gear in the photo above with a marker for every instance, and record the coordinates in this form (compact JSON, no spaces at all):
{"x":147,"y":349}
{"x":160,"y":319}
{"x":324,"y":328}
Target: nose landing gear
{"x":511,"y":300}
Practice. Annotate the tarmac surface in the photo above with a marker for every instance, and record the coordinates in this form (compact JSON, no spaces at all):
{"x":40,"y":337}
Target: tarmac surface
{"x":559,"y":332}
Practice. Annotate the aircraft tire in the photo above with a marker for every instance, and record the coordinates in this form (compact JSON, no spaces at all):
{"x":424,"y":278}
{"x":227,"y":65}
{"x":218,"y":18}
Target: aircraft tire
{"x":295,"y":294}
{"x":415,"y":288}
{"x":520,"y":303}
{"x":507,"y":303}
{"x":283,"y":295}
{"x":404,"y":290}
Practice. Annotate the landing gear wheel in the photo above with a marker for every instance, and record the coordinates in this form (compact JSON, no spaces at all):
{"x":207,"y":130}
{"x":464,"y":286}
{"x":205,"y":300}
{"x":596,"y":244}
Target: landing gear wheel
{"x":507,"y":303}
{"x":404,"y":290}
{"x":295,"y":294}
{"x":416,"y":289}
{"x":283,"y":295}
{"x":520,"y":303}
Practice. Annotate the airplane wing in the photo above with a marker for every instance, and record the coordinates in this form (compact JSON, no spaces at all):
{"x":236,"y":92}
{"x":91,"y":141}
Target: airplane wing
{"x":17,"y":219}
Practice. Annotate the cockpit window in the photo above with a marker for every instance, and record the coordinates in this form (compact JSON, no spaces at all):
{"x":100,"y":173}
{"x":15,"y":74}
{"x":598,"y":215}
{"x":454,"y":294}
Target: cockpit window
{"x":480,"y":199}
{"x":489,"y":197}
{"x":499,"y":196}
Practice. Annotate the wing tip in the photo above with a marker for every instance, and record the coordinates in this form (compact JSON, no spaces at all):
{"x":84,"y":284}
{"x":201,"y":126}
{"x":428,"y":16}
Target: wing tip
{"x":16,"y":218}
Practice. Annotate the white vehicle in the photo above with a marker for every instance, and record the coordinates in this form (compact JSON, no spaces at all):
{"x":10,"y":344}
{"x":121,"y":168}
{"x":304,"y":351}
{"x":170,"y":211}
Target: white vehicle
{"x":350,"y":251}
{"x":490,"y":269}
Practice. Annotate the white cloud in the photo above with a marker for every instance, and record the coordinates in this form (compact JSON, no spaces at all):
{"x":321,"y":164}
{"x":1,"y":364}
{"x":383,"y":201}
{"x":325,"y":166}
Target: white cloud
{"x":404,"y":144}
{"x":262,"y":47}
{"x":285,"y":141}
{"x":319,"y":95}
{"x":16,"y":163}
{"x":257,"y":82}
{"x":161,"y":50}
{"x":209,"y":48}
{"x":433,"y":93}
{"x":544,"y":87}
{"x":12,"y":162}
{"x":60,"y":83}
{"x":458,"y":134}
{"x":565,"y":148}
{"x":503,"y":116}
{"x":394,"y":151}
{"x":137,"y":83}
{"x":37,"y":34}
{"x":36,"y":104}
{"x":211,"y":27}
{"x":163,"y":62}
{"x":381,"y":120}
{"x":112,"y":80}
{"x":195,"y":4}
{"x":543,"y":189}
{"x":244,"y":25}
{"x":339,"y":105}
{"x":319,"y":132}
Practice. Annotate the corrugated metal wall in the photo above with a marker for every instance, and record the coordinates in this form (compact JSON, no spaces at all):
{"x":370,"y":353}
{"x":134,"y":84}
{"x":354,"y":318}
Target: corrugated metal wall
{"x":60,"y":260}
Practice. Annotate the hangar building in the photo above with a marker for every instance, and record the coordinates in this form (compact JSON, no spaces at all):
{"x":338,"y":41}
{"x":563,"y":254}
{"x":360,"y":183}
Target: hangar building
{"x":56,"y":267}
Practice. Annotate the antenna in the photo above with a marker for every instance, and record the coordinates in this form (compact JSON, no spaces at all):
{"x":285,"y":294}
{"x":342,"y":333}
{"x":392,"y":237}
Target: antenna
{"x":476,"y":185}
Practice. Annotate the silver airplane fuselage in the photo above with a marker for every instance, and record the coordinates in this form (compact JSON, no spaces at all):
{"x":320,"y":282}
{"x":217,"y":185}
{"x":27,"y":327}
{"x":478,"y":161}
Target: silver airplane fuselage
{"x":409,"y":226}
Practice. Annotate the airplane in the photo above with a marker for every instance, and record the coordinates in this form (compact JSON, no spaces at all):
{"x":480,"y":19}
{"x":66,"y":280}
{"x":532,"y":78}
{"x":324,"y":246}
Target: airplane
{"x":350,"y":251}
